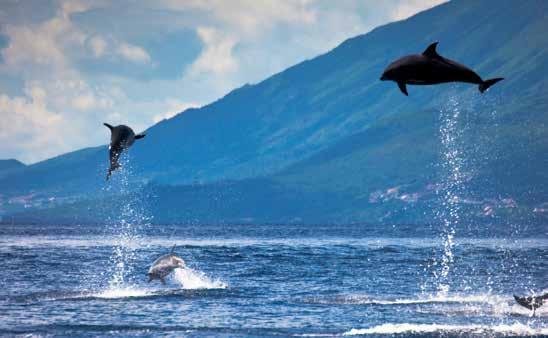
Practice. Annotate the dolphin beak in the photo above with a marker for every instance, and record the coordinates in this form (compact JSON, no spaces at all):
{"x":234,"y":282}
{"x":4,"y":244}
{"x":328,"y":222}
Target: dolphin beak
{"x":383,"y":77}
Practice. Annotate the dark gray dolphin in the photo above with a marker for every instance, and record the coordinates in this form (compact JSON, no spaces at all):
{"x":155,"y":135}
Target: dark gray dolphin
{"x":531,"y":302}
{"x":165,"y":265}
{"x":121,"y":137}
{"x":431,"y":68}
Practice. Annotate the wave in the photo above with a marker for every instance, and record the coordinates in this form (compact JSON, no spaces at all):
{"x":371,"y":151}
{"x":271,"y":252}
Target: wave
{"x":516,"y":329}
{"x":484,"y":304}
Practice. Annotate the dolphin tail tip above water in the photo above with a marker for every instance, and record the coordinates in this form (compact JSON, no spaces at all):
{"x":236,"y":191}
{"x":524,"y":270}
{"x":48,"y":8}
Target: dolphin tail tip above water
{"x":532,"y":302}
{"x":488,"y":83}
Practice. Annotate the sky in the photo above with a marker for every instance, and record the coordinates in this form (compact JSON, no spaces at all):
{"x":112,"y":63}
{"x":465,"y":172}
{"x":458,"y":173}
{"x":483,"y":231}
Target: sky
{"x":68,"y":66}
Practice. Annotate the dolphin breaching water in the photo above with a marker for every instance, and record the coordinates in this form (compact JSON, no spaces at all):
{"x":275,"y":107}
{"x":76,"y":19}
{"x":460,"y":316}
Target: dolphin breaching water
{"x":121,"y":138}
{"x":431,"y":68}
{"x":163,"y":266}
{"x":531,"y":302}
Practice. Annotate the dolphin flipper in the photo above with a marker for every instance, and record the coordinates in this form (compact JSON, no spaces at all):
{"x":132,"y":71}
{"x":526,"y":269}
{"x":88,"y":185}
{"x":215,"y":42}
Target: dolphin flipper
{"x":108,"y":126}
{"x":403,"y":88}
{"x":140,"y":136}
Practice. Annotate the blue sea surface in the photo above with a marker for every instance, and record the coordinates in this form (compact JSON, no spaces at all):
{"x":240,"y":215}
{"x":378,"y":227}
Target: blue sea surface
{"x":266,"y":280}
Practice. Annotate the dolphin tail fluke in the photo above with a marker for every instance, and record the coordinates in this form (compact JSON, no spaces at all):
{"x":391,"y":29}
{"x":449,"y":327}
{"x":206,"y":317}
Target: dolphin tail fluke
{"x":108,"y":126}
{"x":488,"y":83}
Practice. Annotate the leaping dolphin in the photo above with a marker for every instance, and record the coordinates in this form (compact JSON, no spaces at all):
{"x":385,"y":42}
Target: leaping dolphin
{"x":531,"y":302}
{"x":121,"y":137}
{"x":163,"y":266}
{"x":431,"y":68}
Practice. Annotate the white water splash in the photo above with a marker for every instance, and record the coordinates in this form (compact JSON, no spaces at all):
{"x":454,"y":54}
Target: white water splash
{"x":192,"y":279}
{"x":124,"y":292}
{"x":449,"y":213}
{"x":187,"y":279}
{"x":517,"y":329}
{"x":126,"y":228}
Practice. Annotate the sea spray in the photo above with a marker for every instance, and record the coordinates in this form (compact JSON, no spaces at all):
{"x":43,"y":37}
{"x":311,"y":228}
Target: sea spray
{"x":128,"y":220}
{"x":449,"y":213}
{"x":464,"y":192}
{"x":439,"y":274}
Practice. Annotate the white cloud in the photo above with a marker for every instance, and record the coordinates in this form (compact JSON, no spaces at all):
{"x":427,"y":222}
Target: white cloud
{"x":28,"y":128}
{"x":248,"y":16}
{"x":73,"y":6}
{"x":174,"y":107}
{"x":217,"y":54}
{"x":133,"y":53}
{"x":40,"y":44}
{"x":98,"y":46}
{"x":58,"y":42}
{"x":90,"y":101}
{"x":407,"y":8}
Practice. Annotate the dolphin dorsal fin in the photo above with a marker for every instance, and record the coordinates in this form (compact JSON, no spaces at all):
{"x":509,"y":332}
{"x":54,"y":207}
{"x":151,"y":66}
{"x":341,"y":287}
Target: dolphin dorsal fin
{"x":173,"y":249}
{"x":431,"y":51}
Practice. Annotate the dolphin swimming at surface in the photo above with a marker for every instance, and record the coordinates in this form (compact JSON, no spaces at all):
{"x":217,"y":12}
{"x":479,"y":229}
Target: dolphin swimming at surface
{"x":121,"y":137}
{"x":165,"y":265}
{"x":431,"y":68}
{"x":531,"y":302}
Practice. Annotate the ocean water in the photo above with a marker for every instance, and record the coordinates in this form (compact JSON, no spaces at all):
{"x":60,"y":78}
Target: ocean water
{"x":257,"y":281}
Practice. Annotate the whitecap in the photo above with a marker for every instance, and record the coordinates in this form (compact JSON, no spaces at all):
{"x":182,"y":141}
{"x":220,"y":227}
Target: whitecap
{"x":517,"y":329}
